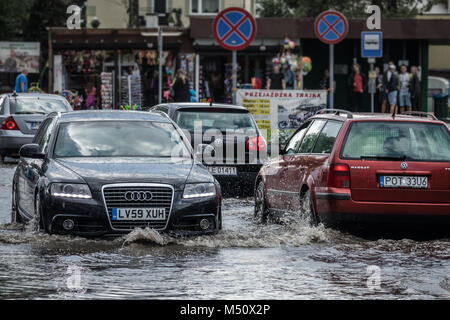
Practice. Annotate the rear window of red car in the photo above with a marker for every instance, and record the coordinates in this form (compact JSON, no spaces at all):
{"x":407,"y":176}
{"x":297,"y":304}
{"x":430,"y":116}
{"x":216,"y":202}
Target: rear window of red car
{"x":413,"y":141}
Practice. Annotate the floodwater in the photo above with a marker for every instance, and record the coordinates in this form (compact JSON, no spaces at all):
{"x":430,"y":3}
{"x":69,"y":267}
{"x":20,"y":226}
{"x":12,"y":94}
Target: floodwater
{"x":245,"y":260}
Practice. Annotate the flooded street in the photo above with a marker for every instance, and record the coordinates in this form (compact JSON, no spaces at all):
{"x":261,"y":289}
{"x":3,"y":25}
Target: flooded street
{"x":244,"y":261}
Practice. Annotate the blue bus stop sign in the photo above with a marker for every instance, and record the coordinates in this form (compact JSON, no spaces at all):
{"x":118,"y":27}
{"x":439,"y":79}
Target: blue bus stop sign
{"x":371,"y":44}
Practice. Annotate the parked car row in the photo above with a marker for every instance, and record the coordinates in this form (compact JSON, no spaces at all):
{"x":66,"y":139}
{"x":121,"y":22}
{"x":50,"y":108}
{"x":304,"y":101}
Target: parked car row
{"x":96,"y":173}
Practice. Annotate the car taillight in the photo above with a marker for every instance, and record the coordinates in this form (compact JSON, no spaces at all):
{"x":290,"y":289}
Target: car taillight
{"x":9,"y":124}
{"x":256,"y":144}
{"x":339,"y":176}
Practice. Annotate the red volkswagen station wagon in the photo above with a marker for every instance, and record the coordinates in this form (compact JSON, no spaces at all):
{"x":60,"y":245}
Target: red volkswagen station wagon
{"x":353,"y":171}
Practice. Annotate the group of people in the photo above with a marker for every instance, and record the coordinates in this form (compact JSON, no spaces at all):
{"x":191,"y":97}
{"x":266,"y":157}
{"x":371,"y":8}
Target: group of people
{"x":398,"y":90}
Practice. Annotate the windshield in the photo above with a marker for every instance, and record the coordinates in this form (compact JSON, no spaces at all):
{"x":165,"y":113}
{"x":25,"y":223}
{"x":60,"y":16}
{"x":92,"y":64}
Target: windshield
{"x":42,"y":106}
{"x":119,"y":139}
{"x":223,"y":121}
{"x":397,"y":141}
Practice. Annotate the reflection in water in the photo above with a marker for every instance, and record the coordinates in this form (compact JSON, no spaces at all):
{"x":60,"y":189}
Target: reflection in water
{"x":246,"y":260}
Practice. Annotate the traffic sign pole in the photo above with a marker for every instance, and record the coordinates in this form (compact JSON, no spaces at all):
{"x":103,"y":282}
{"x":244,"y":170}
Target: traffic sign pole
{"x":331,"y":75}
{"x":371,"y":85}
{"x":331,"y":27}
{"x":234,"y":74}
{"x":234,"y":29}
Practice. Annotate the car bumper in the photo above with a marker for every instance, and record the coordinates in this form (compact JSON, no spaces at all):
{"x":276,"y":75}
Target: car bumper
{"x":91,"y":218}
{"x":12,"y":140}
{"x":337,"y":209}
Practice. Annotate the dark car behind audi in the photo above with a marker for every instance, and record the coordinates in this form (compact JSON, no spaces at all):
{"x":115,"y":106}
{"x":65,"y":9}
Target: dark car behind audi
{"x":235,"y":147}
{"x":95,"y":173}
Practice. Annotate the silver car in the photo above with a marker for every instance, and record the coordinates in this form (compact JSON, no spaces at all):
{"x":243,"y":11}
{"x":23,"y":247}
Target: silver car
{"x":21,"y":115}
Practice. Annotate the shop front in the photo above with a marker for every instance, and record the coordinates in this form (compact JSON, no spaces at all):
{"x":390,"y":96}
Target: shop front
{"x":114,"y":68}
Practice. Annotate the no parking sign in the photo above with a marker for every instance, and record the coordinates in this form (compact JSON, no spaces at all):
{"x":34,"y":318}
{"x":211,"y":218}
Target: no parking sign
{"x":234,"y":28}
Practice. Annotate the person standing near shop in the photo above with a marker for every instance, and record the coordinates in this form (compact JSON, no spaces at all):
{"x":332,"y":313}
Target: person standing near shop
{"x":91,"y":96}
{"x":381,"y":96}
{"x":276,"y":79}
{"x":414,"y":88}
{"x":391,"y":84}
{"x":21,"y":85}
{"x":180,"y":91}
{"x":405,"y":95}
{"x":288,"y":76}
{"x":357,"y":83}
{"x":324,"y":84}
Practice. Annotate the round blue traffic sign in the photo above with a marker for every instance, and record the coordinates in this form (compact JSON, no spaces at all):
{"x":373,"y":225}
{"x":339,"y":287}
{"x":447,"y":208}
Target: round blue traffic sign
{"x":234,"y":28}
{"x":331,"y":27}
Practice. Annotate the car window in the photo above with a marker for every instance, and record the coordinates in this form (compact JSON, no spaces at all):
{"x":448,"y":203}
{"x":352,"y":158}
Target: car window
{"x":418,"y":141}
{"x":39,"y":106}
{"x":311,"y":136}
{"x":164,"y":109}
{"x":294,"y":142}
{"x":223,"y":121}
{"x":2,"y":99}
{"x":327,"y":137}
{"x":112,"y":139}
{"x":43,"y":133}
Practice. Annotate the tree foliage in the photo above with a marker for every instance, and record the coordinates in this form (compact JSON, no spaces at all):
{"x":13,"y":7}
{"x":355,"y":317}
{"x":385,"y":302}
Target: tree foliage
{"x":351,"y":8}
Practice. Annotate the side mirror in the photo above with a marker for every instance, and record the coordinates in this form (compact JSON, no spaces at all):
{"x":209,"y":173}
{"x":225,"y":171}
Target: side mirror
{"x":32,"y":151}
{"x":204,"y":150}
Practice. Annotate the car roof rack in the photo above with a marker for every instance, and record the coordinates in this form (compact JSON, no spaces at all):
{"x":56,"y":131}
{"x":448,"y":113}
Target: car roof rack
{"x":336,"y":112}
{"x":420,"y":114}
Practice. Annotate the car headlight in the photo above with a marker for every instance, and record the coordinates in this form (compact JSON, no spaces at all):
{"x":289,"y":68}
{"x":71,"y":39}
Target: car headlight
{"x":70,"y":190}
{"x":199,"y":190}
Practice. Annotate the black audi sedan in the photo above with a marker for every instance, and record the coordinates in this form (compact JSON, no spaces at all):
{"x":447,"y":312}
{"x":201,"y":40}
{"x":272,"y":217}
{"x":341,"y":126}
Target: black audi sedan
{"x":95,"y":173}
{"x":238,"y":148}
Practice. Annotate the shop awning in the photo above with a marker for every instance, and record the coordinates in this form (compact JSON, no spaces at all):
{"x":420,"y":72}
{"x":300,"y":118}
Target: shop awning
{"x":104,"y":39}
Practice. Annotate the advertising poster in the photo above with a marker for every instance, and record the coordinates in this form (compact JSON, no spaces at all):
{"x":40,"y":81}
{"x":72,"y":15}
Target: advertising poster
{"x":281,"y":110}
{"x":16,"y":56}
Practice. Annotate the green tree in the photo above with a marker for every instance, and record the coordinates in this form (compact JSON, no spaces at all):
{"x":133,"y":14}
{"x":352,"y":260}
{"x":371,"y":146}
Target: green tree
{"x":274,"y":8}
{"x":13,"y":17}
{"x":351,"y":8}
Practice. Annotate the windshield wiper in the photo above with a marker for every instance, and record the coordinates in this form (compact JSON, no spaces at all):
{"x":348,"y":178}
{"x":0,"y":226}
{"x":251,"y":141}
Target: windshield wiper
{"x":387,"y":158}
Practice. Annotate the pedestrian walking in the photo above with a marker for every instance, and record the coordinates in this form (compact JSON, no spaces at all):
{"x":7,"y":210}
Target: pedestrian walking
{"x":391,"y":85}
{"x":21,"y":85}
{"x":405,"y":94}
{"x":180,"y":91}
{"x":381,"y":96}
{"x":276,"y":79}
{"x":415,"y":89}
{"x":357,"y":83}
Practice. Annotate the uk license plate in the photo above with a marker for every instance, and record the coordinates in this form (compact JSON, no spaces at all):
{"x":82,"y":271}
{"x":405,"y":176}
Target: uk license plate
{"x":138,"y":214}
{"x":404,"y":182}
{"x":223,"y":171}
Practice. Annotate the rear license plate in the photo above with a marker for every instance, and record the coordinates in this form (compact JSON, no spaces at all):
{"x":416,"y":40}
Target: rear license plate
{"x":223,"y":171}
{"x":403,"y":182}
{"x":139,"y":214}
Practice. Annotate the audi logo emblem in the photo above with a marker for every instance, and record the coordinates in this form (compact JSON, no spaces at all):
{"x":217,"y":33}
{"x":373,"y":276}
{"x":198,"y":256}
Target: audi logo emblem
{"x":138,"y":196}
{"x":404,"y":165}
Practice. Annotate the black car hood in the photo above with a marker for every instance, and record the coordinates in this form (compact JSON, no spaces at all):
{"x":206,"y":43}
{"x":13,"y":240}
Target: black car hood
{"x":100,"y":171}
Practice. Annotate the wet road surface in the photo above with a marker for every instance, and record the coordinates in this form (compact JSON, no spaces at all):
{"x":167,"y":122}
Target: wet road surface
{"x":244,"y":261}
